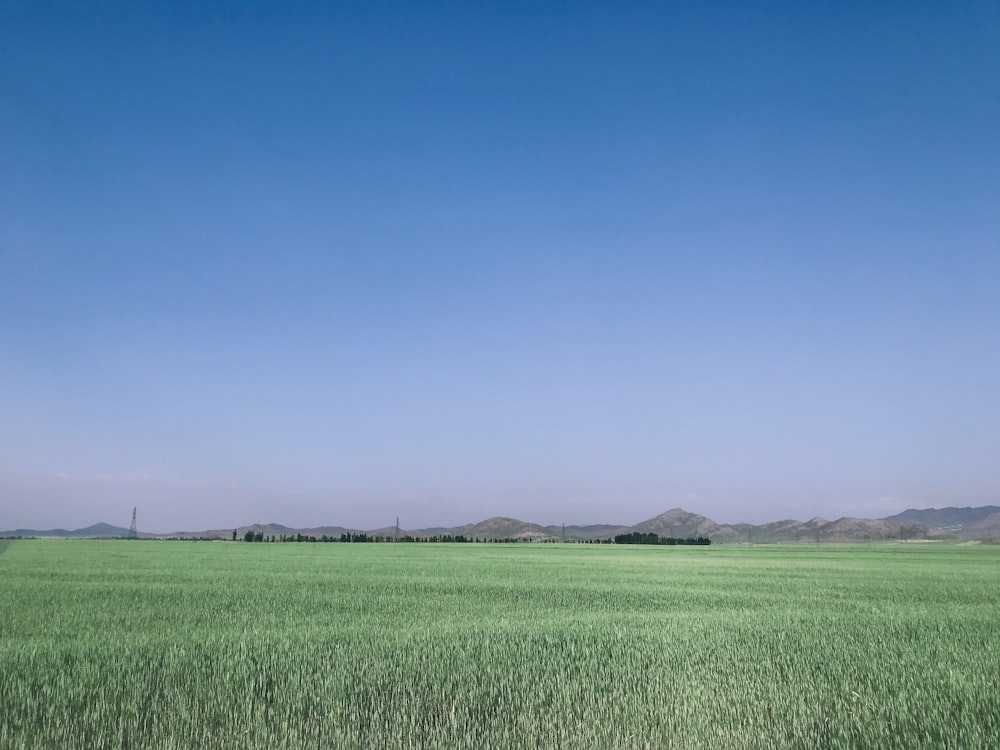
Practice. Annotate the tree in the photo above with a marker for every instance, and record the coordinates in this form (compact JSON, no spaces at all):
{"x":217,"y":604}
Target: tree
{"x":234,"y":535}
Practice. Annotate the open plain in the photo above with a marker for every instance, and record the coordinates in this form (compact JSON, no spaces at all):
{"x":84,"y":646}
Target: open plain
{"x":155,"y":644}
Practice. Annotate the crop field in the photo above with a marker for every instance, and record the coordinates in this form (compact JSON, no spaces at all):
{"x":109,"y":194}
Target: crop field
{"x":152,"y":644}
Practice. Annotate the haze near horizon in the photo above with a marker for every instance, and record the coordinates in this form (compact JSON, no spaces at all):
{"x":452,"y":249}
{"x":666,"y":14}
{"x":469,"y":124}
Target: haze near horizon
{"x":331,"y":264}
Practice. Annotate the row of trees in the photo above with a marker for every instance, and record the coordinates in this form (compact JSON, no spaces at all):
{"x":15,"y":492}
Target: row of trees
{"x":362,"y":538}
{"x":637,"y":537}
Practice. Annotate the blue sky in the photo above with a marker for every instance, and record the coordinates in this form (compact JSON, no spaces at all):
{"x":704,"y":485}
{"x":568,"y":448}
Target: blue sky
{"x":336,"y":263}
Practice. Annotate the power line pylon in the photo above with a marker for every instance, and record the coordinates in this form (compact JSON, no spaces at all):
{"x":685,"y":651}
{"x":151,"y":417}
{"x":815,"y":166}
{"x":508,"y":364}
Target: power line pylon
{"x":132,"y":533}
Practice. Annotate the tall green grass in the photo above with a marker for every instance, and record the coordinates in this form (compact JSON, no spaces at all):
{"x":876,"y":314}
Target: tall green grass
{"x":223,"y":645}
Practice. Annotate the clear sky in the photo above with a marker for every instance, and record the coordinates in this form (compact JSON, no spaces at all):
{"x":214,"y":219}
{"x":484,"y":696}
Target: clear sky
{"x":329,"y":263}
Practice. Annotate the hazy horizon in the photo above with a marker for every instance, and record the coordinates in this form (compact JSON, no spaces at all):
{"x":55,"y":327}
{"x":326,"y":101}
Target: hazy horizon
{"x":166,"y":507}
{"x":331,"y":264}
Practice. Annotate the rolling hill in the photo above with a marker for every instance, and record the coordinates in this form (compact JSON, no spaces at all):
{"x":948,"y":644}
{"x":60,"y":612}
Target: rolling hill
{"x":966,"y":523}
{"x":96,"y":531}
{"x":499,"y":527}
{"x":682,"y":524}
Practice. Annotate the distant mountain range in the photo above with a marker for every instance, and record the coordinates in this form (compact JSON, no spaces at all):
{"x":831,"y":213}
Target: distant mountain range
{"x":933,"y":523}
{"x":966,"y":523}
{"x":97,"y":531}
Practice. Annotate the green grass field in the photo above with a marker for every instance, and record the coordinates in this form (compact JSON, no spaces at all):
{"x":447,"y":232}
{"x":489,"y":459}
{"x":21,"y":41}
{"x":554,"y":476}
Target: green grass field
{"x":145,"y":644}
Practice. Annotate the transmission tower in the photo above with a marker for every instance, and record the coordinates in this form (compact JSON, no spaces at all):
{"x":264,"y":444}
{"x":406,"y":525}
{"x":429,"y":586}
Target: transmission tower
{"x":132,"y":533}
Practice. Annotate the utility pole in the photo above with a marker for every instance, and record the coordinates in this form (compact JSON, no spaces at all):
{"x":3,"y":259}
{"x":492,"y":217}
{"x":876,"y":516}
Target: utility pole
{"x":397,"y":528}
